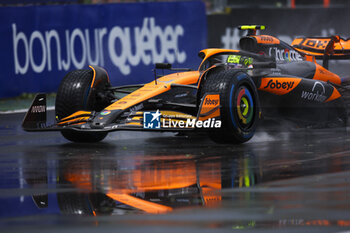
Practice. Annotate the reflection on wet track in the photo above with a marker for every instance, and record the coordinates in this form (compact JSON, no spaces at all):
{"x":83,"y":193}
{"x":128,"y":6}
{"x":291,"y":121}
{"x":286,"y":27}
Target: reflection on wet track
{"x":138,"y":182}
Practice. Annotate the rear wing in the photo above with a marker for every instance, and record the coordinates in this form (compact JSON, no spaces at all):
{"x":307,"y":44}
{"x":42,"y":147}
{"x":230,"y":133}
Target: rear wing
{"x":325,"y":48}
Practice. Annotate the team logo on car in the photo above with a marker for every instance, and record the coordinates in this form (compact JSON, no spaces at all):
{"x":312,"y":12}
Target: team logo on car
{"x":318,"y":93}
{"x":151,"y":120}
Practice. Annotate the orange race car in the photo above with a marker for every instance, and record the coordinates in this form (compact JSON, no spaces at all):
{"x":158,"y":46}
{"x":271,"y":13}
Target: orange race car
{"x":226,"y":97}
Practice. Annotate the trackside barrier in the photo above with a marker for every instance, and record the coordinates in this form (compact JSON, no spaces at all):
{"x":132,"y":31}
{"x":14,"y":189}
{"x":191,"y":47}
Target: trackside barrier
{"x":40,"y":44}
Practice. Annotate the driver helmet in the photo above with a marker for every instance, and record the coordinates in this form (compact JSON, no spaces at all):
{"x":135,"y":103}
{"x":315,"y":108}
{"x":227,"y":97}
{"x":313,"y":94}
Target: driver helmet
{"x":239,"y":61}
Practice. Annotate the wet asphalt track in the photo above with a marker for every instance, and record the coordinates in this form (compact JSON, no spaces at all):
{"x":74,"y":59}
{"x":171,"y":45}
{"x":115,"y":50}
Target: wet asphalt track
{"x":278,"y":182}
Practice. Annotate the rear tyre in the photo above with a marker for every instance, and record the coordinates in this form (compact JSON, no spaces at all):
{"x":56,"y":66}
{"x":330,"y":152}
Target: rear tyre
{"x":239,"y":102}
{"x":74,"y":94}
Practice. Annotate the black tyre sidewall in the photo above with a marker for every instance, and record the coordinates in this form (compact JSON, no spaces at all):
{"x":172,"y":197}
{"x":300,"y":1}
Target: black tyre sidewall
{"x":73,"y":95}
{"x":229,"y":108}
{"x":71,"y":98}
{"x":227,"y":83}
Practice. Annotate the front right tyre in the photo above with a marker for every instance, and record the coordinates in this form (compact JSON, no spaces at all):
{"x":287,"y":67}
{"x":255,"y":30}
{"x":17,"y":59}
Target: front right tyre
{"x":75,"y":94}
{"x":240,"y":108}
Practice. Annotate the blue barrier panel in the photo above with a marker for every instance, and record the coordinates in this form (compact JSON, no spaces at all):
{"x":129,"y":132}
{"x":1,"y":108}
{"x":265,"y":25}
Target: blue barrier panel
{"x":31,"y":2}
{"x":40,"y":44}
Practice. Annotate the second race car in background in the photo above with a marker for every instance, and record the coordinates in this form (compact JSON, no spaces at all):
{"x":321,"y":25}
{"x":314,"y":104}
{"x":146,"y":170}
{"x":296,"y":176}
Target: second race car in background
{"x":226,"y":97}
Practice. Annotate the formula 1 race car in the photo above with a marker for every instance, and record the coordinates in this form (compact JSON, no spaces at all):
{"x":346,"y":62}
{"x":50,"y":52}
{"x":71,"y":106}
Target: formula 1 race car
{"x":226,"y":97}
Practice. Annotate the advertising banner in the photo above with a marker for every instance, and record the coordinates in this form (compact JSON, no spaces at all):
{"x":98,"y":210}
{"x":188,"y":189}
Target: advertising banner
{"x":40,"y":44}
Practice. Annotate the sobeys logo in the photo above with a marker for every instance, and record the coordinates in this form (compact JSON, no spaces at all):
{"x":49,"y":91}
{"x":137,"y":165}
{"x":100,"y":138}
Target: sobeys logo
{"x":278,"y":85}
{"x":209,"y":101}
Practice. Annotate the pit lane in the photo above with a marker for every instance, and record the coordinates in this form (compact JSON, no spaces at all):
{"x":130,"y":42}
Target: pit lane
{"x":159,"y":182}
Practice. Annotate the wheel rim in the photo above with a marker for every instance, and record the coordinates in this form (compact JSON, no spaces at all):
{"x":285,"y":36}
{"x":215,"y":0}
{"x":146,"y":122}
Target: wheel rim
{"x":245,"y":107}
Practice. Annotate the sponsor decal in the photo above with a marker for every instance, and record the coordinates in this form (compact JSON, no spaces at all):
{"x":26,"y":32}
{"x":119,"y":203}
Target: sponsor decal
{"x":284,"y":54}
{"x":38,"y":109}
{"x":210,"y":107}
{"x":104,"y":113}
{"x":151,"y":120}
{"x":266,"y":39}
{"x":317,"y":43}
{"x":278,"y":85}
{"x":317,"y":93}
{"x":209,"y":101}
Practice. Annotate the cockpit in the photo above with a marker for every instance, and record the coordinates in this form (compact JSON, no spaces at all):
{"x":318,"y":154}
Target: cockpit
{"x":239,"y":59}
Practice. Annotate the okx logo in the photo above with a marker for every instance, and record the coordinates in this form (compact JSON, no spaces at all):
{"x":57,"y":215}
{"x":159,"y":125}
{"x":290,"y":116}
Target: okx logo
{"x":151,"y":120}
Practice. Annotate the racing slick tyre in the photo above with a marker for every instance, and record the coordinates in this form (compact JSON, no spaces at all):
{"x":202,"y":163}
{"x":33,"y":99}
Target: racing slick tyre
{"x":239,"y":111}
{"x":74,"y":94}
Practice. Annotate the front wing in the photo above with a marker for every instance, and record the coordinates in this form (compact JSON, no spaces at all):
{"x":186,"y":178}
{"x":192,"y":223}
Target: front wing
{"x":208,"y":116}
